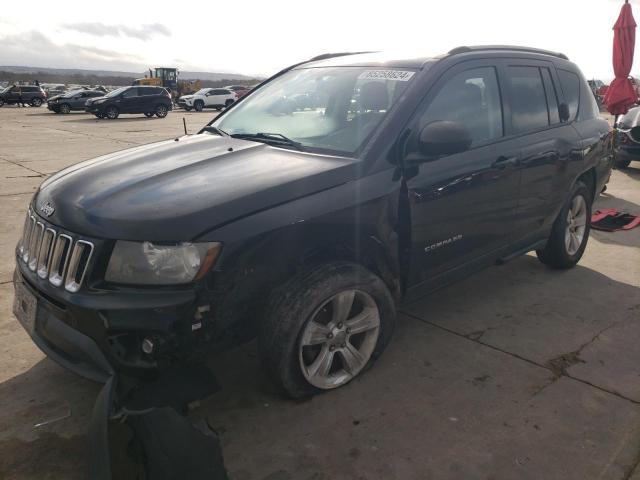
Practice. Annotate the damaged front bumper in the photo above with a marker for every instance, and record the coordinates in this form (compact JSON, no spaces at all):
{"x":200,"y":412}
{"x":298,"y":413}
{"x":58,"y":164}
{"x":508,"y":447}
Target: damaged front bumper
{"x":97,"y":333}
{"x":153,"y":407}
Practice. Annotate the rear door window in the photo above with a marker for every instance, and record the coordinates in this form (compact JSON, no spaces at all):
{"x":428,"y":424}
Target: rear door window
{"x":571,"y":88}
{"x":528,"y":99}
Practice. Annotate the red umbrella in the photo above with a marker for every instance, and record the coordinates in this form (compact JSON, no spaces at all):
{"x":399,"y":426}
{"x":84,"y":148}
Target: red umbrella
{"x":621,"y":95}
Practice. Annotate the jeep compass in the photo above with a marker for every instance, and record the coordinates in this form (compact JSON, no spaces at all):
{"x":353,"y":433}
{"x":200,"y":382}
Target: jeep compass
{"x":305,"y":213}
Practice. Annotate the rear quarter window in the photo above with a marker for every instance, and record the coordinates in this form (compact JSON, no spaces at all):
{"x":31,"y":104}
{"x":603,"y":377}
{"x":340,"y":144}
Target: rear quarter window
{"x":570,"y":83}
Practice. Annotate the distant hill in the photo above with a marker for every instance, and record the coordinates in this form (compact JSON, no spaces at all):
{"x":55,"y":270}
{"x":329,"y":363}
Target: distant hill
{"x":72,"y":75}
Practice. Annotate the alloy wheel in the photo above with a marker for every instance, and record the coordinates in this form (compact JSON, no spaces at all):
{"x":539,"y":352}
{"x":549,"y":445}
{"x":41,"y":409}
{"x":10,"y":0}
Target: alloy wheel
{"x":339,"y":339}
{"x":576,"y":225}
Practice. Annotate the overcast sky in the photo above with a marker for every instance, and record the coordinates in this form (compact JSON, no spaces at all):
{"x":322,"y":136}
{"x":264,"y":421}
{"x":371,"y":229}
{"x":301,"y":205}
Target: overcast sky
{"x":261,"y":37}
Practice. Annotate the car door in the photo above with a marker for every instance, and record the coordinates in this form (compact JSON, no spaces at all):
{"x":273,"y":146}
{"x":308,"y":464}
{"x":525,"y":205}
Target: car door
{"x":548,"y":143}
{"x":214,"y":98}
{"x":129,"y":101}
{"x":462,"y":206}
{"x":78,"y":100}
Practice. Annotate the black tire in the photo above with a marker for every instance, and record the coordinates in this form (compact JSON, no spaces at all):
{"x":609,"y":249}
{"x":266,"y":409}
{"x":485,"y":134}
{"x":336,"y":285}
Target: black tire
{"x":198,"y":105}
{"x":188,"y":109}
{"x":64,"y":108}
{"x":162,"y":111}
{"x":555,"y":254}
{"x":292,"y":306}
{"x":228,"y":103}
{"x":622,"y":164}
{"x":36,"y":102}
{"x":149,"y":114}
{"x":111,"y":113}
{"x":1,"y":102}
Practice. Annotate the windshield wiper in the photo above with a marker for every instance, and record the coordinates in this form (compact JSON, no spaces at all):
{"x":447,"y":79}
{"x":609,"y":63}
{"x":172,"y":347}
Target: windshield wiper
{"x":269,"y":138}
{"x":212,"y":129}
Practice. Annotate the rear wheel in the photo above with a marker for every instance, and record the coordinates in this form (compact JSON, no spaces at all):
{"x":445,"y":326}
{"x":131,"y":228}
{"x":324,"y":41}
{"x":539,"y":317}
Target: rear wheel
{"x":149,"y":114}
{"x":64,"y":108}
{"x":111,"y":113}
{"x":325,"y":327}
{"x":161,"y":111}
{"x":570,"y":231}
{"x":198,"y":105}
{"x":36,"y":102}
{"x":228,"y":103}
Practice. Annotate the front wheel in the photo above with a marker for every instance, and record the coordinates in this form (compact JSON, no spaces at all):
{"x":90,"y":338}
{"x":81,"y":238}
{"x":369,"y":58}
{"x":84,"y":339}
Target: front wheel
{"x":324,"y":327}
{"x":36,"y":102}
{"x":199,"y":105}
{"x":64,"y":108}
{"x":228,"y":103}
{"x":149,"y":114}
{"x":161,"y":111}
{"x":570,"y":231}
{"x":111,"y":113}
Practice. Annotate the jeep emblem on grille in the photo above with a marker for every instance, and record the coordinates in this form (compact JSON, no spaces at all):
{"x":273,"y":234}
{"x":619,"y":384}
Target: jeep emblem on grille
{"x":47,"y":209}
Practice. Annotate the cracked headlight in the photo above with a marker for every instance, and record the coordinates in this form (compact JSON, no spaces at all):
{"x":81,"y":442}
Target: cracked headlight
{"x":146,"y":263}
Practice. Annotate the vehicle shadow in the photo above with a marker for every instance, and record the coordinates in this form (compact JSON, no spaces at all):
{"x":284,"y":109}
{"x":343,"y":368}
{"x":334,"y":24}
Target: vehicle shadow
{"x":263,"y":433}
{"x":43,"y":393}
{"x":93,"y":119}
{"x":632,"y":171}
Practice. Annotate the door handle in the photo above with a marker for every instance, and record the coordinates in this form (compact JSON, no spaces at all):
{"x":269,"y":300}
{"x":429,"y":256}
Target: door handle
{"x":503,"y":162}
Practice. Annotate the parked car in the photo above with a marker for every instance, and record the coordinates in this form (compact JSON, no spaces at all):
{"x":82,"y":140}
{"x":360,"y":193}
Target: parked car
{"x":74,"y":100}
{"x":308,"y":228}
{"x":217,"y":98}
{"x":138,"y":99}
{"x":628,"y":141}
{"x":31,"y":94}
{"x":239,"y":90}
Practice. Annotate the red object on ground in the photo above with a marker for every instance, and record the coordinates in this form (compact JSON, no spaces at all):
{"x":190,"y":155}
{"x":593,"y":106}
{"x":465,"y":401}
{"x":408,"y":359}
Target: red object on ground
{"x":611,"y":220}
{"x":621,"y":95}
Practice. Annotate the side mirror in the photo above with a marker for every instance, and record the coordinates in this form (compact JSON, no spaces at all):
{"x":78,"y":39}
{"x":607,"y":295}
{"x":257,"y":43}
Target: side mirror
{"x":563,"y":111}
{"x":443,"y":137}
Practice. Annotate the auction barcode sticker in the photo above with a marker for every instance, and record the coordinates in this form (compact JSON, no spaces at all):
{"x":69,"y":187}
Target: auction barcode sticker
{"x":399,"y":75}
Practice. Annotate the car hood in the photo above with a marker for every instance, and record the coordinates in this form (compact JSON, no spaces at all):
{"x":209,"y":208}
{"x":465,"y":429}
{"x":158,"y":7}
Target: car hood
{"x":186,"y":97}
{"x":176,"y":190}
{"x":56,"y":97}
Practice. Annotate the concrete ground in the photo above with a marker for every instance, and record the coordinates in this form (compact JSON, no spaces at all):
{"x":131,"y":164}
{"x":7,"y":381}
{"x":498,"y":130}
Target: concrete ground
{"x":518,"y":372}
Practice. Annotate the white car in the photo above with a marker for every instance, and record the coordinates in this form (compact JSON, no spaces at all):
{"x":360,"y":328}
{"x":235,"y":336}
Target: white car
{"x":217,"y":98}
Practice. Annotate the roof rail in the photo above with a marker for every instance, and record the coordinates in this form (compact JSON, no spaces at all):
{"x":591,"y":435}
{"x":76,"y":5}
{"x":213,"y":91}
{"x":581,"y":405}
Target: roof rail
{"x":465,"y":49}
{"x":325,"y":56}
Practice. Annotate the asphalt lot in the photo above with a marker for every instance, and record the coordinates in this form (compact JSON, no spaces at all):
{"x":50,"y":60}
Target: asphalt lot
{"x":518,"y":372}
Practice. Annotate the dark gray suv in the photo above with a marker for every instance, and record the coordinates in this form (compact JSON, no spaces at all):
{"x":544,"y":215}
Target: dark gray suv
{"x":31,"y":94}
{"x":74,"y":100}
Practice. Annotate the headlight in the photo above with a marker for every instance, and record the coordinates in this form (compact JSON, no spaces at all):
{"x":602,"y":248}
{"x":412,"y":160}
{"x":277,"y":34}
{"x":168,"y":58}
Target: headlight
{"x":152,"y":264}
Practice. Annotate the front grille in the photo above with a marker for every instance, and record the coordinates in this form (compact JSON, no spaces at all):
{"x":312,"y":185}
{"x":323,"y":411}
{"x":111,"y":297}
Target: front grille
{"x":54,"y":256}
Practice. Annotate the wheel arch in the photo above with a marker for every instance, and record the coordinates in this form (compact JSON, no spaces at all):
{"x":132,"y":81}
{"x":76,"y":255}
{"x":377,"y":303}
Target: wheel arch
{"x":251,"y":270}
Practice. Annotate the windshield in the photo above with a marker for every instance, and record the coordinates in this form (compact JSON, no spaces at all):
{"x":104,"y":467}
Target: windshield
{"x":116,"y":92}
{"x":71,"y":93}
{"x":202,"y":91}
{"x":332,"y":108}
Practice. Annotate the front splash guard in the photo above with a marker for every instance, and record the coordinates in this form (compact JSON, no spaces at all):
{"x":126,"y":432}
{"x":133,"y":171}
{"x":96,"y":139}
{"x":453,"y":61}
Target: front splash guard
{"x":171,"y":446}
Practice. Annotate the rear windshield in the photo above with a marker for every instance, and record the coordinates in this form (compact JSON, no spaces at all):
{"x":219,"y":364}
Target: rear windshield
{"x":332,"y":109}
